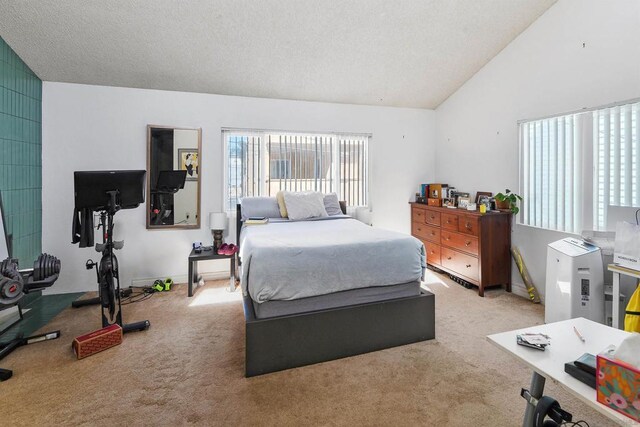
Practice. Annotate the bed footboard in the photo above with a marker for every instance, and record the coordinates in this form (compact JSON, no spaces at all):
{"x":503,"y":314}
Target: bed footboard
{"x":279,"y":343}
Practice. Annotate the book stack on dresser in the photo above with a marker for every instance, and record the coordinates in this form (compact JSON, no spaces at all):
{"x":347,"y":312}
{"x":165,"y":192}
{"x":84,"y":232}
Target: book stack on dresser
{"x":467,"y":244}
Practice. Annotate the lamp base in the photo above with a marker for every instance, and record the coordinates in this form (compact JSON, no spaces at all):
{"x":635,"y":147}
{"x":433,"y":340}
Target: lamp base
{"x":217,"y":239}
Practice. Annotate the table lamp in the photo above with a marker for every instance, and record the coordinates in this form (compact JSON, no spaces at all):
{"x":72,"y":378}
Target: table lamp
{"x":217,"y":224}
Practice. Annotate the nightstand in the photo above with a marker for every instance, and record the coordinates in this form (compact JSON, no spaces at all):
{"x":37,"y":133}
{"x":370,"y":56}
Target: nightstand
{"x":194,"y":258}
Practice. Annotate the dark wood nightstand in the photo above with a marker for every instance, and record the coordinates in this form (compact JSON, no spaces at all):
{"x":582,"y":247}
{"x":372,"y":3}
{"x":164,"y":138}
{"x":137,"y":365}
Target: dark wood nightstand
{"x":208,"y":255}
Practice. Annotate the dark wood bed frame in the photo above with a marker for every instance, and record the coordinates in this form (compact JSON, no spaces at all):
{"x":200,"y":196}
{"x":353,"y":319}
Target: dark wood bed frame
{"x":284,"y":342}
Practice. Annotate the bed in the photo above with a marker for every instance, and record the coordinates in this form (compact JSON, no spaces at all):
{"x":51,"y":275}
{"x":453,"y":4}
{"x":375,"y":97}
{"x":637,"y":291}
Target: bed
{"x":327,"y":288}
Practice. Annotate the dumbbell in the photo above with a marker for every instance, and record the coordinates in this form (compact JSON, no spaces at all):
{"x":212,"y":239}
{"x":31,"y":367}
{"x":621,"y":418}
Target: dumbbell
{"x":46,"y":265}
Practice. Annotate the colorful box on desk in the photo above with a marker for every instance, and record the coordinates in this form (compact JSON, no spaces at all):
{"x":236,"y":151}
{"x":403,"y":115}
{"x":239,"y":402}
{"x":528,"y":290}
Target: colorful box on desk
{"x":97,"y":341}
{"x":618,"y":386}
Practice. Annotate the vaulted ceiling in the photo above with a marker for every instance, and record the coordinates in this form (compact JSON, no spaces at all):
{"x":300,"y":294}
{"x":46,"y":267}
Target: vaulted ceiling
{"x":403,"y":53}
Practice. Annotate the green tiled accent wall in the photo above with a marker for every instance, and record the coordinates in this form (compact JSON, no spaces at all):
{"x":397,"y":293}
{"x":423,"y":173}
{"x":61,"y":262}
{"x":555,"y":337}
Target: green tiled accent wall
{"x":21,"y":154}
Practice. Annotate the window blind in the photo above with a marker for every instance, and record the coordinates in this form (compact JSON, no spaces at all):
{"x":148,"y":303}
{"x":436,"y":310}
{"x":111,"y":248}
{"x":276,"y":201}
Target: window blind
{"x":550,"y":170}
{"x":263,"y":163}
{"x":616,"y":159}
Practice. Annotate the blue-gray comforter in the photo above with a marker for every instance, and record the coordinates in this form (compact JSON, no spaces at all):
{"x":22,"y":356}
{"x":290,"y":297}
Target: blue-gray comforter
{"x":292,"y":260}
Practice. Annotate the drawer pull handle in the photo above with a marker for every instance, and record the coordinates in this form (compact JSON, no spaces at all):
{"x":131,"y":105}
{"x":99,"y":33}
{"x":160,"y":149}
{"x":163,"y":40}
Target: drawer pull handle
{"x":468,"y":225}
{"x":433,"y":233}
{"x":448,"y":222}
{"x":468,"y":265}
{"x":467,"y":244}
{"x":448,"y":257}
{"x":447,"y":239}
{"x":432,"y":217}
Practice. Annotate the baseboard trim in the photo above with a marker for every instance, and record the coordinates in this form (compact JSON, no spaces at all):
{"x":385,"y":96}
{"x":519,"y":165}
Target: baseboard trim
{"x":180,"y":278}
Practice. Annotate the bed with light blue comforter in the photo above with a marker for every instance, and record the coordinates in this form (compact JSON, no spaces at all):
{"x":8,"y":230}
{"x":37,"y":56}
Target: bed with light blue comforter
{"x":289,"y":260}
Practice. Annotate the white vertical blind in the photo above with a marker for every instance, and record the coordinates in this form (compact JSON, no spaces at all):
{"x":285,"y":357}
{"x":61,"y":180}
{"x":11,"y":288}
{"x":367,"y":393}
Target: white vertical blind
{"x":555,"y":159}
{"x":263,"y":163}
{"x":550,"y":173}
{"x":616,"y":159}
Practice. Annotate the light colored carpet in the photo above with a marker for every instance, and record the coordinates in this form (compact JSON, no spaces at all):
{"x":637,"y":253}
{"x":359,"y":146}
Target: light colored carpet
{"x":188,"y":368}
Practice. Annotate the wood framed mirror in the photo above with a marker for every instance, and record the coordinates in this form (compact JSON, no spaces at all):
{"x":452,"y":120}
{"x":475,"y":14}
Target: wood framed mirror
{"x":173,"y":177}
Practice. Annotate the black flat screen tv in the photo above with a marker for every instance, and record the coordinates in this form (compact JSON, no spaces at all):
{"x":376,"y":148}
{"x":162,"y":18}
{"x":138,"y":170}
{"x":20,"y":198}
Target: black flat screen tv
{"x":91,"y":188}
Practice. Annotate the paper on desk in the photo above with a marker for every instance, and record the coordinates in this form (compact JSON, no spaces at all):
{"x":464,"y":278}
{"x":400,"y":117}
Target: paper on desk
{"x":629,"y":350}
{"x":537,"y":339}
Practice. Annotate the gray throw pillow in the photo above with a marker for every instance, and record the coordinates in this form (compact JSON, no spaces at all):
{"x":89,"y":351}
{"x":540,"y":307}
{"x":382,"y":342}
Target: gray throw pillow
{"x":260,"y":206}
{"x":332,"y":205}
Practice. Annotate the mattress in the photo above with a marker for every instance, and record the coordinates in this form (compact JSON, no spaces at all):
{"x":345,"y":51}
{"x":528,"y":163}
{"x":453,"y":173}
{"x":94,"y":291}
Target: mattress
{"x":338,"y":299}
{"x":291,"y":260}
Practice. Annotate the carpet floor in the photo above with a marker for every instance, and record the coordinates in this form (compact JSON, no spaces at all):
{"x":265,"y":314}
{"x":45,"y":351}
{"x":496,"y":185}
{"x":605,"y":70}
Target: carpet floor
{"x":188,"y":369}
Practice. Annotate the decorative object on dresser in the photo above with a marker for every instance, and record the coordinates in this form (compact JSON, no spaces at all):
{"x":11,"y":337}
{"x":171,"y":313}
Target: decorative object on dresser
{"x":481,"y":194}
{"x":421,"y":199}
{"x":463,"y":202}
{"x":472,"y":246}
{"x":509,"y":201}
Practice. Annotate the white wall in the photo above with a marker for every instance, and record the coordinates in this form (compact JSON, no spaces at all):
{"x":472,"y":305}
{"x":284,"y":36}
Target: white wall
{"x":94,"y":127}
{"x":580,"y":53}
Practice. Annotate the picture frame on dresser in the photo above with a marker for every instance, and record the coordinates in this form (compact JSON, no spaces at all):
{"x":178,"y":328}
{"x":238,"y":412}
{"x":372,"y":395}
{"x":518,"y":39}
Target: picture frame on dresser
{"x":481,"y":194}
{"x":463,"y":202}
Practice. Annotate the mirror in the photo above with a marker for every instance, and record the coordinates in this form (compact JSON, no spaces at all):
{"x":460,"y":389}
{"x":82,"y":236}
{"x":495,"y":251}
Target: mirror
{"x":173,"y":178}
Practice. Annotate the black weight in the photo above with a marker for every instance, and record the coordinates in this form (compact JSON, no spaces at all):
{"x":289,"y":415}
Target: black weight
{"x":45,"y":266}
{"x":38,"y":273}
{"x":11,"y":290}
{"x":11,"y":285}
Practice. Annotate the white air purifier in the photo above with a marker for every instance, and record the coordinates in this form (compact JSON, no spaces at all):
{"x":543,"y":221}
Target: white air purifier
{"x":575,"y":281}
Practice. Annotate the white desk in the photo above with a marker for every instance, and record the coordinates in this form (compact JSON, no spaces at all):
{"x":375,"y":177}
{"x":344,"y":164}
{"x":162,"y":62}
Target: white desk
{"x":565,"y":347}
{"x":617,"y":271}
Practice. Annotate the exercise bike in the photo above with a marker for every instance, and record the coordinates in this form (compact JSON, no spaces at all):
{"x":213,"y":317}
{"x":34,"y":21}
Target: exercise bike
{"x":107,"y":192}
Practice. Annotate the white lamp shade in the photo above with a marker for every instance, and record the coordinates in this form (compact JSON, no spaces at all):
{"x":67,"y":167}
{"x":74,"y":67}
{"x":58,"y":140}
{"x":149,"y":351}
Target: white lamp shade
{"x":218,"y":221}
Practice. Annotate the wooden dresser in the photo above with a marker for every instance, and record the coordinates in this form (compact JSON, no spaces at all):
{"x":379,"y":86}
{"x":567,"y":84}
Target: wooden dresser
{"x":467,"y":244}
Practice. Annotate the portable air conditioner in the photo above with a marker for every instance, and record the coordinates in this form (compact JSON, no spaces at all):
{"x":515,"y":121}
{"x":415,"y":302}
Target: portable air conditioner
{"x":575,"y":281}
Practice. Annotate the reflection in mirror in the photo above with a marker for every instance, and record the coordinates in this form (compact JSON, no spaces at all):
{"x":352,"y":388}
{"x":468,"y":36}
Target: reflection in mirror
{"x":173,"y":161}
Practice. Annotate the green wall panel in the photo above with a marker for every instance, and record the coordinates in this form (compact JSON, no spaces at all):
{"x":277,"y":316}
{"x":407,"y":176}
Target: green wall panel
{"x":21,"y":154}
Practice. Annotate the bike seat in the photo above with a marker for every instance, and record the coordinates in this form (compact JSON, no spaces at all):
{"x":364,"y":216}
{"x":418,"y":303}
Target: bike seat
{"x":118,"y":245}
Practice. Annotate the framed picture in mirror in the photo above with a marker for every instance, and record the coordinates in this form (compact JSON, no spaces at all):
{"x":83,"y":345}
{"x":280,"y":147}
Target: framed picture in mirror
{"x":174,"y":164}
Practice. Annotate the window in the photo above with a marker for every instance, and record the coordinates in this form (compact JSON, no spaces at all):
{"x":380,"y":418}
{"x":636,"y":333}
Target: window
{"x":550,"y":170}
{"x":617,"y":150}
{"x":574,"y":167}
{"x":263,"y":163}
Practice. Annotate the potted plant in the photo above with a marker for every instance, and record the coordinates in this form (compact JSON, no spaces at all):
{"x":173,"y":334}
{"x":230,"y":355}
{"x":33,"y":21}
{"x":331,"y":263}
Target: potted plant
{"x":508,"y":200}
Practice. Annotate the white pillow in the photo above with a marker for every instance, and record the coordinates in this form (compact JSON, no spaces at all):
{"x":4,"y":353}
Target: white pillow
{"x":307,"y":204}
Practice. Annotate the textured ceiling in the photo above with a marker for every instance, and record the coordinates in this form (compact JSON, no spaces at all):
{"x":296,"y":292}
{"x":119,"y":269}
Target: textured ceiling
{"x":406,"y":53}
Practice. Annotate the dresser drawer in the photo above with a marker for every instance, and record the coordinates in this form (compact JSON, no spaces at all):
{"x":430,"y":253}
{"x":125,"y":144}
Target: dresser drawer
{"x":450,"y":221}
{"x":432,"y":218}
{"x":465,"y":265}
{"x":469,"y":225}
{"x":461,"y":242}
{"x":433,"y":252}
{"x":417,"y":215}
{"x":427,"y":232}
